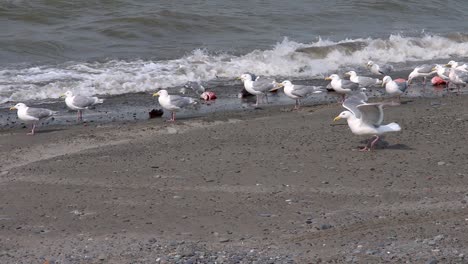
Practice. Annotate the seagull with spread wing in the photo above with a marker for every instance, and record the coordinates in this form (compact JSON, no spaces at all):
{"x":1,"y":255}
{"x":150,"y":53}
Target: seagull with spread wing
{"x":366,"y":118}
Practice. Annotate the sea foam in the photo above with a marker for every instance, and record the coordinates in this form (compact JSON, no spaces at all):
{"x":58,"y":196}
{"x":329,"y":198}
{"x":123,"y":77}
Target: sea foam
{"x":286,"y":59}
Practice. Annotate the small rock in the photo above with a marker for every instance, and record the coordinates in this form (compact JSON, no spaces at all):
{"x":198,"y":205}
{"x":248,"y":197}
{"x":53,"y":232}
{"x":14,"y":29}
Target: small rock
{"x":325,"y":226}
{"x":224,"y":240}
{"x":102,"y":257}
{"x":432,"y":261}
{"x":440,"y":163}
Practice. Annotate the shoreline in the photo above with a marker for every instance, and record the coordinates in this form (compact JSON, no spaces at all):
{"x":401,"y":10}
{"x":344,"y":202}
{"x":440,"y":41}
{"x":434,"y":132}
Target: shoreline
{"x":264,"y":185}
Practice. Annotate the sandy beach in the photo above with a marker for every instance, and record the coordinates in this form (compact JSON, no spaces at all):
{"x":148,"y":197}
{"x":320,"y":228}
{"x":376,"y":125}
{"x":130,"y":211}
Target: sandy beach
{"x":252,"y":186}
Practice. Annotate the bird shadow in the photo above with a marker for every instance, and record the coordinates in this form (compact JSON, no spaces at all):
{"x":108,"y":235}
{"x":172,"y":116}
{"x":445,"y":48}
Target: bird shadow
{"x":49,"y":130}
{"x":382,"y":144}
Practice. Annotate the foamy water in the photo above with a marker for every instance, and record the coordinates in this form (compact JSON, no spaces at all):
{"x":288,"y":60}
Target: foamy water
{"x":286,"y":59}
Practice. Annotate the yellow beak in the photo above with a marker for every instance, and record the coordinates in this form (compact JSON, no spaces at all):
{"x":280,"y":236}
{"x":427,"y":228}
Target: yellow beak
{"x":433,"y":69}
{"x":238,"y":78}
{"x":62,"y":95}
{"x":448,"y":65}
{"x":348,"y":73}
{"x":278,"y":86}
{"x":328,"y":78}
{"x":12,"y":108}
{"x":156,"y":94}
{"x":336,"y":118}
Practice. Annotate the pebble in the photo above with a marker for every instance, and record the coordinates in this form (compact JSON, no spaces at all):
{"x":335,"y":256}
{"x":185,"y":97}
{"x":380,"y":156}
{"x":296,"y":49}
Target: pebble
{"x":440,"y":163}
{"x":325,"y":226}
{"x":432,"y":261}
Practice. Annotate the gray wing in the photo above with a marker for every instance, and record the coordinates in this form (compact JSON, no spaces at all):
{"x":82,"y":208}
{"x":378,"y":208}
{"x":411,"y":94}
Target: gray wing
{"x":180,"y":101}
{"x":372,"y":114}
{"x":385,"y":69}
{"x":353,"y":101}
{"x":461,"y":76}
{"x":402,"y":86}
{"x":425,"y":68}
{"x":263,"y":84}
{"x":39,"y":112}
{"x":83,"y":101}
{"x":304,"y":90}
{"x":347,"y":84}
{"x":367,"y":81}
{"x":195,"y":86}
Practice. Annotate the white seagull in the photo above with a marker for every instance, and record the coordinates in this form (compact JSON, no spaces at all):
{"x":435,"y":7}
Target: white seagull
{"x":79,"y":103}
{"x":341,"y":86}
{"x":363,"y":81}
{"x":173,"y":103}
{"x":366,"y":119}
{"x":457,"y":76}
{"x":379,"y":70}
{"x":421,"y":71}
{"x":32,"y":115}
{"x":394,"y":88}
{"x":258,"y":87}
{"x":298,"y":92}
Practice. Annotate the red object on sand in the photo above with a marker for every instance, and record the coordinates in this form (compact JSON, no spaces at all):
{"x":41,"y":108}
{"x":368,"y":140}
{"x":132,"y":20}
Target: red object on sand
{"x":399,"y":80}
{"x":438,"y":81}
{"x":208,"y":96}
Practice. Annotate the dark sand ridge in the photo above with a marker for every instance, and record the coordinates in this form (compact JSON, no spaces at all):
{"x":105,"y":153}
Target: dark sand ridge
{"x":260,"y":185}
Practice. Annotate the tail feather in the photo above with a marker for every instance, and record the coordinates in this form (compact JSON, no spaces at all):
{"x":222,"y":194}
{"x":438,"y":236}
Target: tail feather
{"x":392,"y":127}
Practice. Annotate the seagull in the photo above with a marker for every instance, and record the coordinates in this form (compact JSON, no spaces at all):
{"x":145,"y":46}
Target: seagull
{"x":173,"y":103}
{"x":32,"y":115}
{"x":79,"y":102}
{"x":297,"y":92}
{"x":457,"y":76}
{"x":394,"y":88}
{"x":379,"y":70}
{"x":457,"y":65}
{"x":194,"y":86}
{"x":362,"y":80}
{"x":341,"y":86}
{"x":366,"y":119}
{"x":260,"y":86}
{"x":421,"y":71}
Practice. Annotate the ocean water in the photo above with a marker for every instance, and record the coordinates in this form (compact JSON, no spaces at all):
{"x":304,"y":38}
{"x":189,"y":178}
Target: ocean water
{"x":117,"y":47}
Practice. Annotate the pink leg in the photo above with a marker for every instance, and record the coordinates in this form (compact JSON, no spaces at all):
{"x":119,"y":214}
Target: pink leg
{"x":81,"y":115}
{"x":78,"y":115}
{"x":33,"y":128}
{"x":375,"y":141}
{"x":172,"y":117}
{"x":298,"y":105}
{"x":258,"y":100}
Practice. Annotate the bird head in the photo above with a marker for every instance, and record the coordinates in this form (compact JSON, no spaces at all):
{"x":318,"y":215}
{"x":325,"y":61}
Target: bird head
{"x":351,"y":73}
{"x":342,"y":115}
{"x":18,"y":106}
{"x":244,"y":77}
{"x":386,"y":80}
{"x":66,"y":94}
{"x":333,"y":77}
{"x":161,"y":93}
{"x":369,"y":64}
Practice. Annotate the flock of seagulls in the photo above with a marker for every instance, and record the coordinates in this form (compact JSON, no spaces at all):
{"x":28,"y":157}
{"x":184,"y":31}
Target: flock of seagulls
{"x":363,"y":118}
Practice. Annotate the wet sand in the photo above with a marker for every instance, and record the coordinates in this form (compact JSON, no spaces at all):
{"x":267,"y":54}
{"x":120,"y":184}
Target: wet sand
{"x":269,"y":185}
